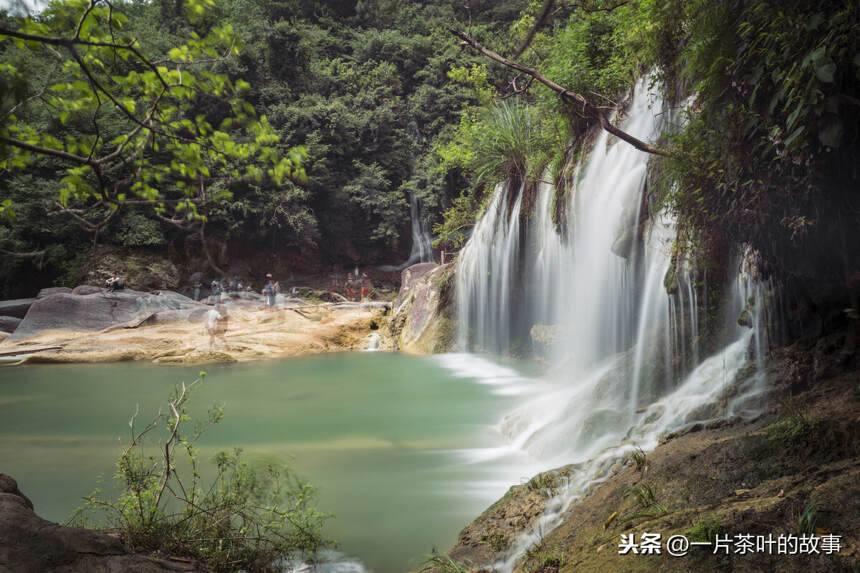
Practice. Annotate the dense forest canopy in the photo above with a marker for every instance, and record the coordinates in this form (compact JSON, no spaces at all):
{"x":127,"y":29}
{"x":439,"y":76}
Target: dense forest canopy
{"x":336,"y":112}
{"x":322,"y":116}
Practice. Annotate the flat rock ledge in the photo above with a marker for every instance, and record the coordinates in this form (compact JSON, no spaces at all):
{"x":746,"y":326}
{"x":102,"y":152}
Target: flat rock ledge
{"x":30,"y":544}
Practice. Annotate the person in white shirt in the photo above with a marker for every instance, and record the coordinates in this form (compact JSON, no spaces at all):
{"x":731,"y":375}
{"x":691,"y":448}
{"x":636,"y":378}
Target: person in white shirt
{"x":213,"y":318}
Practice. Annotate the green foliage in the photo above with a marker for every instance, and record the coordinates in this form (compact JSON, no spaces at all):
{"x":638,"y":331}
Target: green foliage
{"x":445,"y":564}
{"x":497,"y":541}
{"x":544,"y":483}
{"x":456,"y":223}
{"x":595,"y":54}
{"x":246,"y":518}
{"x":369,"y":189}
{"x":505,"y":141}
{"x":794,"y":423}
{"x":136,"y":230}
{"x":143,"y":128}
{"x":475,"y":77}
{"x":539,"y":559}
{"x":766,"y":155}
{"x":639,"y":458}
{"x":293,"y":124}
{"x":647,"y":504}
{"x":704,"y":530}
{"x":806,"y":519}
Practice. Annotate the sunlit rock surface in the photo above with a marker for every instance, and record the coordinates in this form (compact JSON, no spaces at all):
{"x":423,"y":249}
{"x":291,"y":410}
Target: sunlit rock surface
{"x":422,"y":321}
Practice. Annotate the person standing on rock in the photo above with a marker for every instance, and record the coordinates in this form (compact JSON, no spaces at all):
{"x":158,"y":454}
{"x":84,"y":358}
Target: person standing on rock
{"x":366,"y":285}
{"x":270,"y":290}
{"x":212,"y":318}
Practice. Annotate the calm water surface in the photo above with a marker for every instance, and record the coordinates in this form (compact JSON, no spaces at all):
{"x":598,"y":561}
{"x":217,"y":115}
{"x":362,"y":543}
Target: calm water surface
{"x":394,"y":442}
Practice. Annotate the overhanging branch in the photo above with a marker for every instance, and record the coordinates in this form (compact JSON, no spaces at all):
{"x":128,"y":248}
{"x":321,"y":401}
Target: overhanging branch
{"x":588,"y":109}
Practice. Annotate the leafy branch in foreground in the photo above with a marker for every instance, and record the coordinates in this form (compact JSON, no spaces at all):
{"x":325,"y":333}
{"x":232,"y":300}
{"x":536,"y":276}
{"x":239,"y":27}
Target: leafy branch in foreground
{"x":246,"y":518}
{"x":140,"y":125}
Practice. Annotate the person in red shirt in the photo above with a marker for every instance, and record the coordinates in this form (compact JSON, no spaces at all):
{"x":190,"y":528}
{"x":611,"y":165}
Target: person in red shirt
{"x":366,"y":285}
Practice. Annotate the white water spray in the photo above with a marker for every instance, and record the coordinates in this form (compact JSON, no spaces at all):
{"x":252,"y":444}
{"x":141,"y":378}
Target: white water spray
{"x":625,"y":358}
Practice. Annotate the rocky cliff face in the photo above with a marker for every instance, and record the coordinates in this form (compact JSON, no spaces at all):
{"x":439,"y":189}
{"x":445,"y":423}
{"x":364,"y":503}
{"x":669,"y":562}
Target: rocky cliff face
{"x":793,"y":471}
{"x":30,"y":544}
{"x":422,"y":320}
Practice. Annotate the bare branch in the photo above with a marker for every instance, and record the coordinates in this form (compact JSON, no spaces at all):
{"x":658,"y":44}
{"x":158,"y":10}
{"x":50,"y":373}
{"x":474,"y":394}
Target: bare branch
{"x":86,"y":224}
{"x":84,"y":17}
{"x":46,"y":151}
{"x":516,"y":89}
{"x":589,"y":110}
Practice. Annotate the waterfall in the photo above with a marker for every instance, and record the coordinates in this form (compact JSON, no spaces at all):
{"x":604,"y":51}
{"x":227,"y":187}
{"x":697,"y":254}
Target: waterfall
{"x":422,"y":250}
{"x":422,"y":243}
{"x":373,"y":342}
{"x":486,"y":269}
{"x":716,"y":389}
{"x":599,"y":288}
{"x":623,"y":353}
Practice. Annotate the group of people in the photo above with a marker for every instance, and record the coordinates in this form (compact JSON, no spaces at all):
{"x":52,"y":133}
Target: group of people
{"x":355,"y":287}
{"x":221,"y":287}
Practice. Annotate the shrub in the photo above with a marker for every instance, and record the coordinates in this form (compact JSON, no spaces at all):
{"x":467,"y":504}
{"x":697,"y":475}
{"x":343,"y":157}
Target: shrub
{"x":246,"y":518}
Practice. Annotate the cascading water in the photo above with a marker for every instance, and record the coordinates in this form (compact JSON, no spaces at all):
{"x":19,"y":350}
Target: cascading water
{"x":624,"y":354}
{"x":486,"y":269}
{"x":422,"y":250}
{"x":422,"y":241}
{"x":422,"y":245}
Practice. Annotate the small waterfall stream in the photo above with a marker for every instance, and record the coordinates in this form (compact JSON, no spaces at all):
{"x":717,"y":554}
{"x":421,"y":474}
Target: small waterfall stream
{"x":623,"y":354}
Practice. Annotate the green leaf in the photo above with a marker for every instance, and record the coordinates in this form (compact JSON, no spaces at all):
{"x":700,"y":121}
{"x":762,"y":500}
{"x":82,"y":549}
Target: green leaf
{"x":793,"y":117}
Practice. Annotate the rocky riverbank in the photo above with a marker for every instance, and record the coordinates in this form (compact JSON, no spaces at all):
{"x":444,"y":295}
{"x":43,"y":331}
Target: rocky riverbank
{"x":29,"y":543}
{"x":89,"y":324}
{"x":793,"y":470}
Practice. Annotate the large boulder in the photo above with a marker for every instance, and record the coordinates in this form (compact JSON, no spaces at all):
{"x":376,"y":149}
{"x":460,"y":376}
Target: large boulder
{"x":408,"y":278}
{"x":184,"y":315}
{"x":86,"y":289}
{"x":53,"y":290}
{"x":422,"y":320}
{"x":17,"y":307}
{"x":97,"y":311}
{"x":30,"y":544}
{"x":9,"y":323}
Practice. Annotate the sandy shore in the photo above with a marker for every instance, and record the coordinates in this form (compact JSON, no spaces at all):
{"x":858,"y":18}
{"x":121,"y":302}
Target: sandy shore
{"x":253,"y":333}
